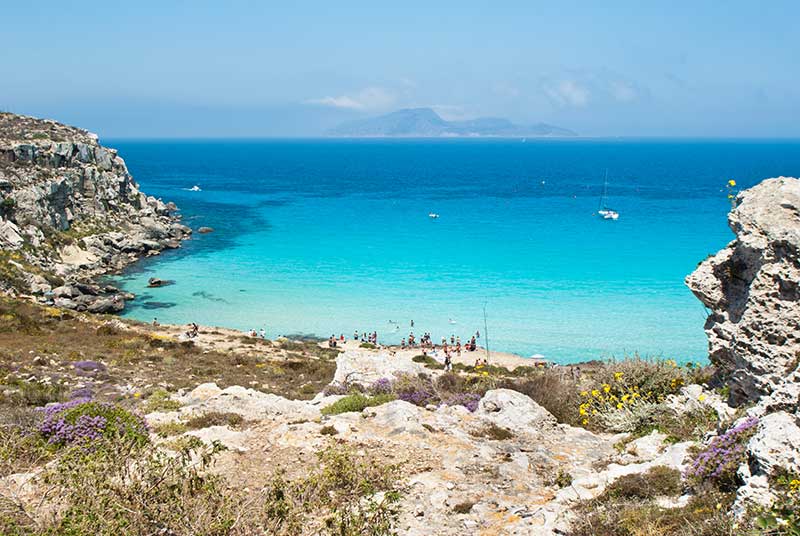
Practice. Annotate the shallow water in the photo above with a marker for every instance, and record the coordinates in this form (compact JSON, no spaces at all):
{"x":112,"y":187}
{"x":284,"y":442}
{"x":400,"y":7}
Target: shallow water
{"x":328,"y":236}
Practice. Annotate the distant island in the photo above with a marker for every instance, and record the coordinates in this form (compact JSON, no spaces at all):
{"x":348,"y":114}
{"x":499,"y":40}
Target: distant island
{"x":425,"y":123}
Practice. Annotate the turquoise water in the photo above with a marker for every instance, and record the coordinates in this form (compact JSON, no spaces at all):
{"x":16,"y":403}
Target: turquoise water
{"x":329,"y":236}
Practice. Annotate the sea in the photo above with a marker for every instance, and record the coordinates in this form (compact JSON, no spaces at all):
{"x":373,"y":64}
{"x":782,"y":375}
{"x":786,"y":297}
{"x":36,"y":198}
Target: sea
{"x":320,"y":237}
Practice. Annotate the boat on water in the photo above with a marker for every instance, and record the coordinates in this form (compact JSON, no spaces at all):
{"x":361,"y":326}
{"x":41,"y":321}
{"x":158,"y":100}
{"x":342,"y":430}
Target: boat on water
{"x":195,"y":188}
{"x":606,"y":212}
{"x":433,"y":215}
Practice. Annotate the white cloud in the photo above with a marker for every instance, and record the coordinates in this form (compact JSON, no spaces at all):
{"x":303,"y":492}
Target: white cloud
{"x":370,"y":98}
{"x":624,"y":92}
{"x":568,"y":93}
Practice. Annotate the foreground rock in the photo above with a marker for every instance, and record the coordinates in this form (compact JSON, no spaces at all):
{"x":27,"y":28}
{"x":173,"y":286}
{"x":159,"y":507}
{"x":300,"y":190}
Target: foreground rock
{"x":752,"y":288}
{"x":70,"y":210}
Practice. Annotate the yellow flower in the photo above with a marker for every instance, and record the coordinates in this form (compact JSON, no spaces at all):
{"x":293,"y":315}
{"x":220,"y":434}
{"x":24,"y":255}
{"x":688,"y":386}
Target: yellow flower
{"x":595,"y":393}
{"x":731,"y":182}
{"x":625,"y":398}
{"x":137,"y":395}
{"x":619,"y":406}
{"x":584,"y":393}
{"x":606,"y":387}
{"x":585,"y":421}
{"x":583,"y":411}
{"x":618,"y":376}
{"x":701,"y":397}
{"x":485,"y":373}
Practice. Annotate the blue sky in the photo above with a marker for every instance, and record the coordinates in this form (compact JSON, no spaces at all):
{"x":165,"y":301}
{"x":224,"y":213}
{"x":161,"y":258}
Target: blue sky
{"x":206,"y":69}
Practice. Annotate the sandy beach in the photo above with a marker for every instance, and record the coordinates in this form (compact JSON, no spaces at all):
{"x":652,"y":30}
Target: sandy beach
{"x":232,"y":340}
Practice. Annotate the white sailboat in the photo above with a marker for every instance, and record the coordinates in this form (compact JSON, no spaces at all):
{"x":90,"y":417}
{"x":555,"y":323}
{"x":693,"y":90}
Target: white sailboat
{"x":604,"y":210}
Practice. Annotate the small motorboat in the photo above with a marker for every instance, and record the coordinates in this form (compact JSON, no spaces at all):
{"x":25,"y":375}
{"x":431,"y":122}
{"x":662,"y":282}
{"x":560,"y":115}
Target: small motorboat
{"x":195,"y":188}
{"x":433,"y":215}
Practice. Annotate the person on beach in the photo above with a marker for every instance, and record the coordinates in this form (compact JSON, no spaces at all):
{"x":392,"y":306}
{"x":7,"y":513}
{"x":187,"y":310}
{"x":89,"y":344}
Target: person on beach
{"x":403,"y":343}
{"x":355,"y":335}
{"x":155,"y":322}
{"x":263,"y":333}
{"x":448,"y":363}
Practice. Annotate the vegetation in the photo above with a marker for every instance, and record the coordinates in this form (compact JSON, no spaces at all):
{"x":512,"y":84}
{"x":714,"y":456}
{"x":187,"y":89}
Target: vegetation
{"x":356,"y":402}
{"x":131,"y":357}
{"x":492,"y":431}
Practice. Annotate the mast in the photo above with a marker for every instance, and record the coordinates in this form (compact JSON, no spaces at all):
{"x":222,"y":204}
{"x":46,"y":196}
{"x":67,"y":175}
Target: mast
{"x":486,"y":331}
{"x":605,"y":193}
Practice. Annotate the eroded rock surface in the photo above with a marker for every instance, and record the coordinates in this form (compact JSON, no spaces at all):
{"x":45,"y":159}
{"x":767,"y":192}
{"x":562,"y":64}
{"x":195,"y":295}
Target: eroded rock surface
{"x":752,"y":288}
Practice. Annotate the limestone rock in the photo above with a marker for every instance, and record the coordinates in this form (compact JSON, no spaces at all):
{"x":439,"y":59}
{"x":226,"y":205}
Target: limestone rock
{"x":63,"y":192}
{"x":752,"y":288}
{"x":252,"y":404}
{"x":514,"y":410}
{"x":365,"y":367}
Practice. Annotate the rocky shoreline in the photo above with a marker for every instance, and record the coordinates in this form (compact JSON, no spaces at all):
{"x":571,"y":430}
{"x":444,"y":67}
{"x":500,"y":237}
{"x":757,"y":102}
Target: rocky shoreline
{"x":70,"y":211}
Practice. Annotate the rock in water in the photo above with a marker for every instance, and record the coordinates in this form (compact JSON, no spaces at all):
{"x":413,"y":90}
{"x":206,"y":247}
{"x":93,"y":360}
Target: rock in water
{"x":752,"y":288}
{"x":205,"y":230}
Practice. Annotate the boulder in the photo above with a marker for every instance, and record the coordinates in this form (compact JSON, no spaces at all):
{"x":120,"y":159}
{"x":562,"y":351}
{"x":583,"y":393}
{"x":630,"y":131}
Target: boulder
{"x":398,"y":416}
{"x":103,"y":305}
{"x":10,"y":237}
{"x":252,"y":404}
{"x":365,"y":367}
{"x":776,"y":445}
{"x":515,"y":411}
{"x":752,"y":288}
{"x":205,"y":230}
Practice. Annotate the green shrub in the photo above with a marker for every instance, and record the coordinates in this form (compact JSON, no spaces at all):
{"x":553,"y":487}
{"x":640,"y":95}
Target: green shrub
{"x":214,"y":418}
{"x":38,"y":394}
{"x":492,"y":431}
{"x":92,"y":424}
{"x":367,"y":345}
{"x":658,"y":481}
{"x":356,"y":402}
{"x":160,"y":401}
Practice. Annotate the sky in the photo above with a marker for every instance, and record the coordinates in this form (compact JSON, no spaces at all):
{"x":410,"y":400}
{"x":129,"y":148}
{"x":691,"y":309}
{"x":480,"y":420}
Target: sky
{"x":259,"y":69}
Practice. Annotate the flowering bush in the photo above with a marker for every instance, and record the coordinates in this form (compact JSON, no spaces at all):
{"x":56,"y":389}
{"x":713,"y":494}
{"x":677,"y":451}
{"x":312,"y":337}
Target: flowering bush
{"x":83,"y":422}
{"x":381,"y":386}
{"x":468,"y":400}
{"x":718,"y":462}
{"x":629,"y":394}
{"x":783,"y":517}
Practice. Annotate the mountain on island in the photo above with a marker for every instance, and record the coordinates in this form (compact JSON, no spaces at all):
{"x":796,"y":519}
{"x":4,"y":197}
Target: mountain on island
{"x":425,"y":123}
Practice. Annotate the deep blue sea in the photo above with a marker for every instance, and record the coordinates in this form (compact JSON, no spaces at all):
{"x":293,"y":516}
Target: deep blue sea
{"x":329,"y":236}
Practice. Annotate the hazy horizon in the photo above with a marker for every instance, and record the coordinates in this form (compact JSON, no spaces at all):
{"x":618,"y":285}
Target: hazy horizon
{"x":248,"y":70}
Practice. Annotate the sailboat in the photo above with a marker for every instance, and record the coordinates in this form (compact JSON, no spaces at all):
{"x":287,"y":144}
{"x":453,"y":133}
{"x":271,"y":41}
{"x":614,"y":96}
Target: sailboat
{"x":604,"y":210}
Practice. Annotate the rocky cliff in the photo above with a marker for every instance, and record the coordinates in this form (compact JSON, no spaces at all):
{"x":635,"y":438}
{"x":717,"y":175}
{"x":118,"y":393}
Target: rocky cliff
{"x":69,"y":211}
{"x":751,"y":288}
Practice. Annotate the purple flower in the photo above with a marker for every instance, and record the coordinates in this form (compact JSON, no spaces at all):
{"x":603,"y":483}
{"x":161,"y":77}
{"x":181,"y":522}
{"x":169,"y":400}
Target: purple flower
{"x":89,"y":366}
{"x":419,"y":397}
{"x":381,"y":387}
{"x":722,"y":457}
{"x":468,"y":400}
{"x":81,"y":421}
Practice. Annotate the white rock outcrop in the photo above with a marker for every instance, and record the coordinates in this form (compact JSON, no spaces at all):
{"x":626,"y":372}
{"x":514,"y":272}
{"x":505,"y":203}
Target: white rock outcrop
{"x":752,"y":288}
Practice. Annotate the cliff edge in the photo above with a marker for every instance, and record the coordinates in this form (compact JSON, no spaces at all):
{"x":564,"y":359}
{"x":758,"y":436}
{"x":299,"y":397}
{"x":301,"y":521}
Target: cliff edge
{"x":69,"y":211}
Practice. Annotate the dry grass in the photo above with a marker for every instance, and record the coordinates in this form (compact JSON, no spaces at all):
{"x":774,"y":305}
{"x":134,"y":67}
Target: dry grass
{"x":131,"y":357}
